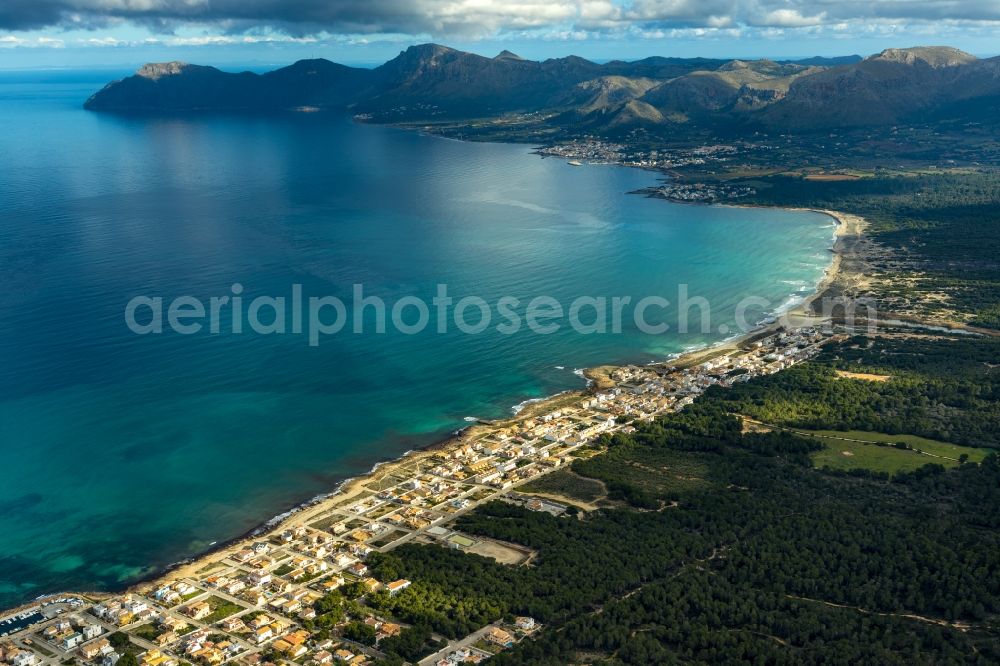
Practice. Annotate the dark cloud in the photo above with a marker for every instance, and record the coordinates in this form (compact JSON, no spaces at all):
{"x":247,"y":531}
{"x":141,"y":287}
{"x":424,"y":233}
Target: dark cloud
{"x":363,"y":16}
{"x":475,"y":17}
{"x":26,"y":14}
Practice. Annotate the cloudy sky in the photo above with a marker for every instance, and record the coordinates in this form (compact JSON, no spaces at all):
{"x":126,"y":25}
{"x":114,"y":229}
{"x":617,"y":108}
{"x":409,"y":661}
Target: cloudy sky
{"x":46,"y":33}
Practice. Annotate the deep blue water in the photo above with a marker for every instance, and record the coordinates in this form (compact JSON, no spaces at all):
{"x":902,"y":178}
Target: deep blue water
{"x":122,"y":453}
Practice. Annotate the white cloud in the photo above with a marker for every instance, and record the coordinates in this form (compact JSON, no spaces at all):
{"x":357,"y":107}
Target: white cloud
{"x":791,"y":18}
{"x":216,"y":21}
{"x":103,"y":41}
{"x":12,"y":41}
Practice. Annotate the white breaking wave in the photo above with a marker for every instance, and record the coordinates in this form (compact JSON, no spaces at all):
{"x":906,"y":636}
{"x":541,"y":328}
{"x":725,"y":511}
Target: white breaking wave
{"x":519,"y":407}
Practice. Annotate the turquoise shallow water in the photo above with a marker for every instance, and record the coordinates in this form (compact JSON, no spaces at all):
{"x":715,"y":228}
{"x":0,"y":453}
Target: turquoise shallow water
{"x":124,"y":453}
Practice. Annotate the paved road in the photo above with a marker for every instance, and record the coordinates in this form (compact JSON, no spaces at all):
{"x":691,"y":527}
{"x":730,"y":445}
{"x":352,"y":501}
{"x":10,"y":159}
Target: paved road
{"x":466,"y":642}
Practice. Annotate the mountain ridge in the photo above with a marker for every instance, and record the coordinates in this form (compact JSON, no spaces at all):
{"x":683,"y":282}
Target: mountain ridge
{"x":432,"y":81}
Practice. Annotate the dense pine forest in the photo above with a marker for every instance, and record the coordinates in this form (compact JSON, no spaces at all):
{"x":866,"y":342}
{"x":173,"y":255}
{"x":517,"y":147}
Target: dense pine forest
{"x":720,"y":543}
{"x":935,"y":232}
{"x":725,"y":535}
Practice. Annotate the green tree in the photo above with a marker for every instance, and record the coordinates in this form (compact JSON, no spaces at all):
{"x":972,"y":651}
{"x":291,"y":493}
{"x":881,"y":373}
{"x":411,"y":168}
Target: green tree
{"x":360,"y":633}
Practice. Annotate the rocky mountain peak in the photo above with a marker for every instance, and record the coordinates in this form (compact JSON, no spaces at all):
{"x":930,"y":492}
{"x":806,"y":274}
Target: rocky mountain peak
{"x":934,"y":56}
{"x":155,"y":70}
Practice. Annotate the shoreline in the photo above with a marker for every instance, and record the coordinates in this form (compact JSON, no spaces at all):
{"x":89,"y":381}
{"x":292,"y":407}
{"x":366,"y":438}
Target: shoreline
{"x":846,"y":225}
{"x":848,"y":230}
{"x":797,"y":315}
{"x":304,"y":512}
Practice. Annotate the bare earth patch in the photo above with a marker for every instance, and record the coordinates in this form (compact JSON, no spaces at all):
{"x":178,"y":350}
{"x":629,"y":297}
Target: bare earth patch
{"x":749,"y":426}
{"x":864,"y":376}
{"x":504,"y":553}
{"x":831,"y":177}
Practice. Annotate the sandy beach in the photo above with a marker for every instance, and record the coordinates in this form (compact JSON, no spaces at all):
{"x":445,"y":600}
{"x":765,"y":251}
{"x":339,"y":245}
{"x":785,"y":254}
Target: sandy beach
{"x":845,"y":275}
{"x":841,"y":277}
{"x":835,"y":280}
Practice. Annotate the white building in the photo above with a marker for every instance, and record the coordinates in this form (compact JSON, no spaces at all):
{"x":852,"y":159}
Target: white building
{"x":24,"y":658}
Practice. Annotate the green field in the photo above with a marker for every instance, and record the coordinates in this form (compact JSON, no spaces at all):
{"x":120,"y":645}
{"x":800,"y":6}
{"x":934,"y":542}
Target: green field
{"x":650,"y":471}
{"x":461,"y":540}
{"x":387,"y":538}
{"x":886,"y":458}
{"x":567,"y":484}
{"x":221,"y":609}
{"x":283,"y":569}
{"x":148,"y":632}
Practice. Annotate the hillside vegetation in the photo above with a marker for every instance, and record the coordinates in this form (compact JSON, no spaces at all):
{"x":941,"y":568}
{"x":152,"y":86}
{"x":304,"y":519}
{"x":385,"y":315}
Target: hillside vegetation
{"x":432,"y":82}
{"x":732,"y":547}
{"x":934,"y":237}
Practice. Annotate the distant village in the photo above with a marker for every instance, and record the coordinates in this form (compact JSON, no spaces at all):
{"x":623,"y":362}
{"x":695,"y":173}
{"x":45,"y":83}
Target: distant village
{"x":596,"y":151}
{"x":259,"y":604}
{"x":600,"y":151}
{"x":699,"y":192}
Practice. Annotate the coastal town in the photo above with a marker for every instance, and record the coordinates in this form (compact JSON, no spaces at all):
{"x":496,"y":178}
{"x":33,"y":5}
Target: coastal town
{"x":595,"y":150}
{"x":302,"y":593}
{"x":598,"y":151}
{"x":282,"y":477}
{"x":698,"y":192}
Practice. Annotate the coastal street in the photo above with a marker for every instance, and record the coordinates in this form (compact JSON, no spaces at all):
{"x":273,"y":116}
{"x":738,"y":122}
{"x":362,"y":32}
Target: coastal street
{"x":264,"y":600}
{"x":460,"y":646}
